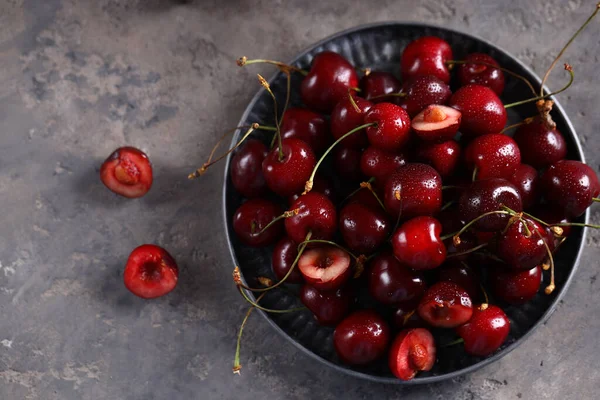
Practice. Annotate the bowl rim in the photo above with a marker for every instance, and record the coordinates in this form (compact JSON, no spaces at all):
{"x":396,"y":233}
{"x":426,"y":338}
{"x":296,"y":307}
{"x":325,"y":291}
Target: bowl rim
{"x":484,"y":362}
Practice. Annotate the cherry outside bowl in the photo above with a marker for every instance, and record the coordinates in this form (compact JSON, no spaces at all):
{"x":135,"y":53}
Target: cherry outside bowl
{"x":379,"y":47}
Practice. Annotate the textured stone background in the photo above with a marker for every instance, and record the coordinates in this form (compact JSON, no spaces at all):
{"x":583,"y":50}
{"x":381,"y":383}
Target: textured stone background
{"x":79,"y":78}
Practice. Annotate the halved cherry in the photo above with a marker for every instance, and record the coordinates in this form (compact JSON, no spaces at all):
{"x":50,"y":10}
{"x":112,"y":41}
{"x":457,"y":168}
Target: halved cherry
{"x":486,"y":331}
{"x":445,"y":305}
{"x":412,"y":351}
{"x":150,"y":272}
{"x":325,"y":268}
{"x":437,"y":123}
{"x":127,"y":172}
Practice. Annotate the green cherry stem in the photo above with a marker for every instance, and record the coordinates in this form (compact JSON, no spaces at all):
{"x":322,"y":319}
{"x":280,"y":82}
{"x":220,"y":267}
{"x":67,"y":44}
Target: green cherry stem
{"x":468,"y":225}
{"x":452,"y":343}
{"x":236,"y":360}
{"x":597,"y":200}
{"x":242,"y":61}
{"x":474,"y":249}
{"x":269,"y":310}
{"x":329,"y":242}
{"x":286,"y":214}
{"x":571,"y":77}
{"x":267,"y":87}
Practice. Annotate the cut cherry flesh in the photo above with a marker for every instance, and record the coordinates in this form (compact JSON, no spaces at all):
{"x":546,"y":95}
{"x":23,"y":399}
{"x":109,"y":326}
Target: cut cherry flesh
{"x":284,"y":254}
{"x":346,"y":117}
{"x":254,"y":215}
{"x":486,"y":331}
{"x":426,"y":56}
{"x":391,"y":131}
{"x":392,"y":283}
{"x":493,"y":155}
{"x":329,"y":308}
{"x":445,"y":305}
{"x":361,"y":338}
{"x":541,"y":146}
{"x":316,"y":214}
{"x":287,"y":176}
{"x":363,"y":228}
{"x":413,"y":350}
{"x":378,"y":83}
{"x":436,"y":123}
{"x":423,"y":91}
{"x":444,"y":157}
{"x":308,"y":126}
{"x":463,"y":275}
{"x":325,"y":268}
{"x":417,"y":243}
{"x":379,"y":164}
{"x":246,"y":169}
{"x":526,"y":180}
{"x":127,"y":172}
{"x":150,"y":272}
{"x":515,"y":286}
{"x":480,"y":74}
{"x":521,"y":247}
{"x":482,"y":111}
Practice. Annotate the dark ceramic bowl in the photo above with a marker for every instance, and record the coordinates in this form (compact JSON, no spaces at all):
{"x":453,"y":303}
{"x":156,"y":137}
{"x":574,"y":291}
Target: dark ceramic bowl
{"x":379,"y":47}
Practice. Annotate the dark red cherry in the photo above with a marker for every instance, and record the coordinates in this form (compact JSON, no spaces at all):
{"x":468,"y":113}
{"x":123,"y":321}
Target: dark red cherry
{"x":413,"y":190}
{"x":486,"y":331}
{"x":444,"y":157}
{"x":405,"y":316}
{"x":392,"y":129}
{"x":540,"y":145}
{"x":325,"y":268}
{"x":361,"y":338}
{"x":445,"y":305}
{"x":346,"y":162}
{"x":366,"y":197}
{"x":436,"y":123}
{"x":329,"y":308}
{"x":526,"y":180}
{"x":345,"y":117}
{"x":321,"y":184}
{"x":288,"y":176}
{"x":328,"y":81}
{"x":463,"y":275}
{"x":252,"y":216}
{"x":378,"y":83}
{"x":570,"y":186}
{"x":417,"y":243}
{"x":246,"y":169}
{"x":493,"y":155}
{"x":482,"y":110}
{"x":423,"y":91}
{"x":284,"y":254}
{"x":392,"y":283}
{"x":479,"y":74}
{"x":316,"y":214}
{"x":515,"y":286}
{"x":127,"y":172}
{"x":552,"y":215}
{"x":379,"y":164}
{"x":426,"y":56}
{"x":363,"y":228}
{"x":486,"y":196}
{"x":308,"y":126}
{"x":413,"y":350}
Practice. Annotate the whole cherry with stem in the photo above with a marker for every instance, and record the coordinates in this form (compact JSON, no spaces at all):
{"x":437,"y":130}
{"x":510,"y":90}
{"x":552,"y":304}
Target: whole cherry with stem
{"x":392,"y":283}
{"x":347,"y":114}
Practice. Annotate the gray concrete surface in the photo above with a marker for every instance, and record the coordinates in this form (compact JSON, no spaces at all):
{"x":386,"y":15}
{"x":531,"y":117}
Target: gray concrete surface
{"x":79,"y":78}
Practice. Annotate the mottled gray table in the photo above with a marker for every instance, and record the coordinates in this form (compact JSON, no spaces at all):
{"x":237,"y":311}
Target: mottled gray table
{"x":79,"y":78}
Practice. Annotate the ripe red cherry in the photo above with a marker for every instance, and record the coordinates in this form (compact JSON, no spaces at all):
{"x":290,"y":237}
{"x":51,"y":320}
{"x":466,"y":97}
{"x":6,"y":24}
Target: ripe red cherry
{"x":345,"y":117}
{"x":526,"y":180}
{"x":346,"y":162}
{"x":378,"y":84}
{"x":486,"y":331}
{"x":308,"y":126}
{"x":486,"y":196}
{"x":445,"y":305}
{"x":361,"y":338}
{"x":463,"y":275}
{"x":423,"y":91}
{"x":287,"y":176}
{"x":405,"y":316}
{"x":150,"y":272}
{"x":482,"y":111}
{"x":426,"y":56}
{"x":570,"y":186}
{"x":444,"y":157}
{"x":363,"y":228}
{"x":494,"y":155}
{"x":252,"y":216}
{"x":412,"y":351}
{"x":246,"y":169}
{"x":436,"y":123}
{"x":329,"y":308}
{"x":540,"y":145}
{"x":413,"y":190}
{"x":316,"y":214}
{"x":479,"y":74}
{"x":325,"y":268}
{"x":328,"y":81}
{"x":552,"y":215}
{"x":515,"y":286}
{"x":321,"y":184}
{"x":379,"y":164}
{"x":417,"y":243}
{"x":127,"y":172}
{"x":392,"y":129}
{"x":521,"y":249}
{"x":284,"y":254}
{"x":392,"y":283}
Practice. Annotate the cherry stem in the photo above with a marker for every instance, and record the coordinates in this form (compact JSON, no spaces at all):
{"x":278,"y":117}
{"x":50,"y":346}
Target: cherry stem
{"x":267,"y":87}
{"x":597,"y":200}
{"x":448,"y":205}
{"x":547,"y":74}
{"x":309,"y":184}
{"x":371,"y":180}
{"x":398,"y":197}
{"x":382,"y":96}
{"x":269,"y":310}
{"x":305,"y":242}
{"x":367,"y":185}
{"x":474,"y":249}
{"x":236,"y":361}
{"x":518,"y":124}
{"x":353,"y":102}
{"x":485,"y":295}
{"x":474,"y":176}
{"x":287,"y":96}
{"x":550,"y":288}
{"x":242,"y":61}
{"x":571,"y":77}
{"x":450,"y":187}
{"x":468,"y":225}
{"x":286,"y":214}
{"x":452,"y":343}
{"x":558,"y":224}
{"x":509,"y":72}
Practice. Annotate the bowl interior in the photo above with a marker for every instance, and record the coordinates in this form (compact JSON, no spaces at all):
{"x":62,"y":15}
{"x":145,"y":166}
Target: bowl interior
{"x":379,"y":47}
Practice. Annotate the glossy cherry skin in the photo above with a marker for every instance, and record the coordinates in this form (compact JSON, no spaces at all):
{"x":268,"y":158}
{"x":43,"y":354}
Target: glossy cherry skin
{"x":482,"y":110}
{"x":328,"y":81}
{"x":252,"y":216}
{"x":570,"y":186}
{"x":377,"y":84}
{"x":321,"y":184}
{"x":413,"y":350}
{"x":379,"y":164}
{"x":329,"y":308}
{"x":346,"y":162}
{"x":150,"y":272}
{"x":127,"y":172}
{"x":486,"y":196}
{"x":552,"y":215}
{"x":479,"y":74}
{"x":417,"y":243}
{"x":521,"y":250}
{"x":325,"y":268}
{"x":308,"y":126}
{"x":526,"y":180}
{"x":405,"y":316}
{"x":426,"y":56}
{"x":423,"y":91}
{"x":316,"y":214}
{"x":284,"y":254}
{"x":463,"y":275}
{"x":444,"y":157}
{"x":541,"y":145}
{"x":515,"y":286}
{"x":412,"y":190}
{"x":288,"y":176}
{"x":246,"y":169}
{"x":361,"y":338}
{"x":363,"y":228}
{"x":392,"y":129}
{"x":494,"y":155}
{"x":445,"y":305}
{"x":486,"y":331}
{"x":392,"y":283}
{"x":345,"y":117}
